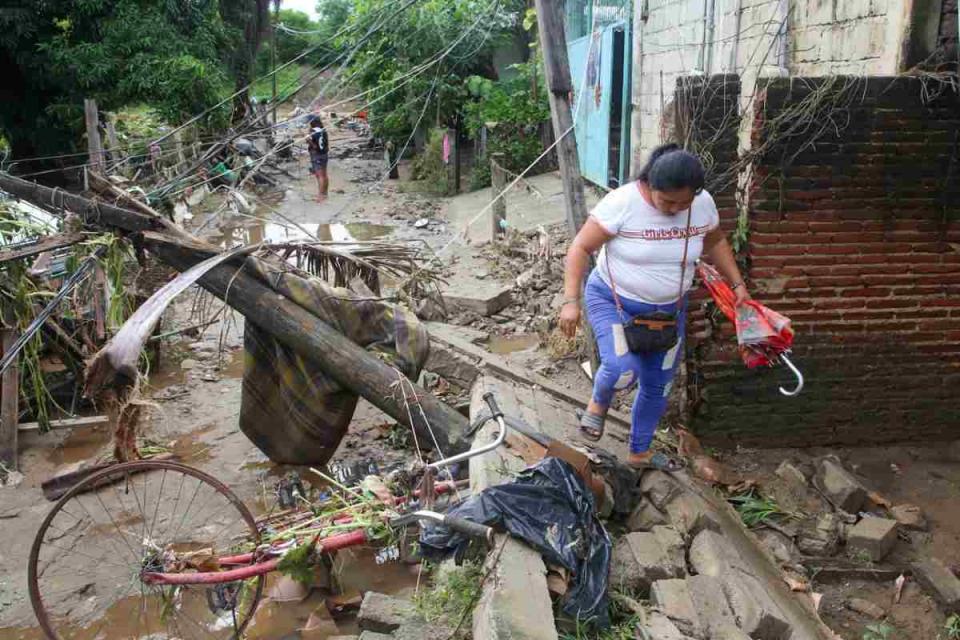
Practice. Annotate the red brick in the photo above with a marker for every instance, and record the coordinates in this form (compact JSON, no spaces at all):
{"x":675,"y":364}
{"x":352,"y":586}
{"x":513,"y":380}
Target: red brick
{"x":776,"y":250}
{"x":891,"y":303}
{"x":835,"y":250}
{"x":837,"y":281}
{"x":934,"y":268}
{"x":868,"y":292}
{"x":940,"y":325}
{"x":840,"y":303}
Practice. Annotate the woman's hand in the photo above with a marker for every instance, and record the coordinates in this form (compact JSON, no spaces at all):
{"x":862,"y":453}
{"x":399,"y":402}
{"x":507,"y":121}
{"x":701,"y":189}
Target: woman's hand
{"x":742,"y":294}
{"x":569,"y":318}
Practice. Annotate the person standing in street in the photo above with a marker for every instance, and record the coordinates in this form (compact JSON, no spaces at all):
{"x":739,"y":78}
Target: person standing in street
{"x":649,"y":235}
{"x":318,"y":144}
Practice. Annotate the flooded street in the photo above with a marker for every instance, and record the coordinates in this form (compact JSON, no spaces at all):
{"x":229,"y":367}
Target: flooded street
{"x":194,"y":404}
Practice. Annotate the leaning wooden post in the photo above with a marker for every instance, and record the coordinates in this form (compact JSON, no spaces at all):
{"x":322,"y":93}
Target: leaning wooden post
{"x":94,"y":146}
{"x":9,"y":401}
{"x":498,"y":183}
{"x":113,"y":143}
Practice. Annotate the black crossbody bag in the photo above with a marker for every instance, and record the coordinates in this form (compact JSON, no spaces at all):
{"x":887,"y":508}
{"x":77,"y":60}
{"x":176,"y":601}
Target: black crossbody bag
{"x":658,"y":331}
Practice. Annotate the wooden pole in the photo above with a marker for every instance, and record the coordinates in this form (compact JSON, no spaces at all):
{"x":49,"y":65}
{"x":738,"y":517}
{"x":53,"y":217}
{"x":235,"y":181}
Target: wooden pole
{"x":94,"y":213}
{"x":553,"y":41}
{"x":273,"y":60}
{"x":456,"y":157}
{"x":94,"y":146}
{"x":9,"y":404}
{"x":554,"y":44}
{"x":113,"y":141}
{"x":498,"y":184}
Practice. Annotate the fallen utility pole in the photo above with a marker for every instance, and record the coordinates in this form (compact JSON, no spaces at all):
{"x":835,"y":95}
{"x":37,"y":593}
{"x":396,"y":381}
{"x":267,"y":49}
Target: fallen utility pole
{"x":345,"y":361}
{"x":90,"y":211}
{"x":348,"y":363}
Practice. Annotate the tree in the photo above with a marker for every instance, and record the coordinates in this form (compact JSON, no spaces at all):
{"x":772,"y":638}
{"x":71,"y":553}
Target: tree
{"x":414,"y":57}
{"x":178,"y":55}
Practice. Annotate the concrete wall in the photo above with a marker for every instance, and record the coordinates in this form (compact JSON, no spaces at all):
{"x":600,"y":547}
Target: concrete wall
{"x":822,"y":37}
{"x":857,"y":240}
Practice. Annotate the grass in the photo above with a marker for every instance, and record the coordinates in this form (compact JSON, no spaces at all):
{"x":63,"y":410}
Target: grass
{"x":951,"y":628}
{"x":623,"y":623}
{"x":288,"y":79}
{"x":452,"y":595}
{"x":754,"y":509}
{"x":879,"y":631}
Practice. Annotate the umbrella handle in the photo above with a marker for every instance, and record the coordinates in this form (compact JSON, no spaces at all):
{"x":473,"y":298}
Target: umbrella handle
{"x":796,"y":372}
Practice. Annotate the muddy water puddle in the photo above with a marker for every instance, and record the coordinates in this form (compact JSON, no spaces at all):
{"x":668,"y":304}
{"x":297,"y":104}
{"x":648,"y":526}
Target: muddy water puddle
{"x":276,"y":233}
{"x":317,"y":617}
{"x":511,"y":344}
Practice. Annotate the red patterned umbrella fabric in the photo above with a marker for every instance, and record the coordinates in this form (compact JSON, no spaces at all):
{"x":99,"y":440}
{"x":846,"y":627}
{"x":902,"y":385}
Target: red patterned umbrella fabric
{"x":763,"y":335}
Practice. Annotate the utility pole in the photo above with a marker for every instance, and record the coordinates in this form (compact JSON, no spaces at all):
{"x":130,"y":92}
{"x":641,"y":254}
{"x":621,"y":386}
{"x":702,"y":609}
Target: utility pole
{"x":273,"y":58}
{"x":553,"y":41}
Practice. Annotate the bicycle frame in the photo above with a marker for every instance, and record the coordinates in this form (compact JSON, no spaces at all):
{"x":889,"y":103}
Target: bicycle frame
{"x":328,"y":544}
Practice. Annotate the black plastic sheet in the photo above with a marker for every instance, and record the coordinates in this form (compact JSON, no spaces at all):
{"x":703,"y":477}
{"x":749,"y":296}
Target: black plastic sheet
{"x":548,"y":507}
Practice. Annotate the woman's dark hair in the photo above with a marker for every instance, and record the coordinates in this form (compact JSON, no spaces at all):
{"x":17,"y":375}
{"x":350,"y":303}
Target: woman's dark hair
{"x":670,"y":168}
{"x":315,"y":121}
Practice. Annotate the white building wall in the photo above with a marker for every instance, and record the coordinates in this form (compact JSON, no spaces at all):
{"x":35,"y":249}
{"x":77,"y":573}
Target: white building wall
{"x":823,"y":37}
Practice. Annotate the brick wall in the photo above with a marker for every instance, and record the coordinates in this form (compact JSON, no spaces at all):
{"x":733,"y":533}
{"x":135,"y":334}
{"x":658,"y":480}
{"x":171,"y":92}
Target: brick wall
{"x":858,"y":241}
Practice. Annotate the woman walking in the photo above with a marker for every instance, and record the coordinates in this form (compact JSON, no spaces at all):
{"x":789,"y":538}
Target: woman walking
{"x":649,"y":233}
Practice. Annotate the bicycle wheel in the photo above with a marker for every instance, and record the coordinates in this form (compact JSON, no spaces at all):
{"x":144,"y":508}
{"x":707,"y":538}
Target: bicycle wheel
{"x":88,"y":556}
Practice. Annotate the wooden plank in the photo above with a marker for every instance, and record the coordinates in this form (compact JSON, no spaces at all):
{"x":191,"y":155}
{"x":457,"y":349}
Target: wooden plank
{"x":9,"y":403}
{"x":67,"y":423}
{"x":46,"y":243}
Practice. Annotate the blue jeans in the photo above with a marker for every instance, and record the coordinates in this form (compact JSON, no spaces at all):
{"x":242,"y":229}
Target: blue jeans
{"x":653,"y":372}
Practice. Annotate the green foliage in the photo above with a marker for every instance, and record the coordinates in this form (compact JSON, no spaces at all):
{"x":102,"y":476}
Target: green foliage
{"x":951,"y":628}
{"x":177,"y":55}
{"x":298,"y":564}
{"x":623,"y":624}
{"x":879,"y":631}
{"x":430,"y":168}
{"x":755,"y":509}
{"x":393,"y":49}
{"x":512,"y":113}
{"x":453,"y":594}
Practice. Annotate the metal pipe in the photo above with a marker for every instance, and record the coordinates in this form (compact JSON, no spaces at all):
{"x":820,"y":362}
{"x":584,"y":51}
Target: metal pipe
{"x":466,"y":455}
{"x":711,"y":26}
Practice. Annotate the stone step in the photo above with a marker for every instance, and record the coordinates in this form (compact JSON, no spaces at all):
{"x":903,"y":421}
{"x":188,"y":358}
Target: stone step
{"x":936,"y":578}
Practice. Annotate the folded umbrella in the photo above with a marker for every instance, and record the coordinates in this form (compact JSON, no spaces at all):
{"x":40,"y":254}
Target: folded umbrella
{"x":763,"y":335}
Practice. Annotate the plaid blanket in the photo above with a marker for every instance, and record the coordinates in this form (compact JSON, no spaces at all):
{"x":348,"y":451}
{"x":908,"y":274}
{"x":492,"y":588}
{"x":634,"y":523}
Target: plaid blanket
{"x":290,"y":408}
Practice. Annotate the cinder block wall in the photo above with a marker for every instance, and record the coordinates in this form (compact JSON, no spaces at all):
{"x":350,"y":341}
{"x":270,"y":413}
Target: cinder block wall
{"x":857,"y":239}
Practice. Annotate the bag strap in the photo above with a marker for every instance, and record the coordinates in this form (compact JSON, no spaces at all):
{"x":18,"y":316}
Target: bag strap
{"x":683,"y":266}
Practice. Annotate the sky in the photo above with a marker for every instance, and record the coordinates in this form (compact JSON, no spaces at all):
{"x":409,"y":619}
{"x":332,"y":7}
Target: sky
{"x":309,"y":7}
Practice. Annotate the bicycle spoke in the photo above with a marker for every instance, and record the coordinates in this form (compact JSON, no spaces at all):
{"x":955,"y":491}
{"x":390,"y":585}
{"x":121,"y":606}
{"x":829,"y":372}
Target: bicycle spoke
{"x":123,"y":535}
{"x":156,"y":509}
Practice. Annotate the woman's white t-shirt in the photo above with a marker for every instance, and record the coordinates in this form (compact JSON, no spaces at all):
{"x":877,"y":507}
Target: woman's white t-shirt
{"x":646,"y":253}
